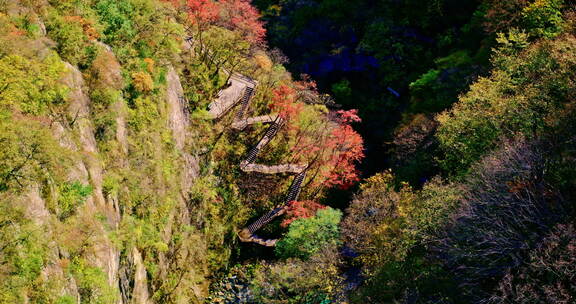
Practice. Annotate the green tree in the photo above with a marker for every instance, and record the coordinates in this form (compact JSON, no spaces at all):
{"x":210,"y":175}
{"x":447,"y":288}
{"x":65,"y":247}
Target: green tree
{"x":520,"y":96}
{"x":543,"y":18}
{"x":73,"y":35}
{"x":31,"y":86}
{"x":70,"y":197}
{"x":307,"y":236}
{"x":29,"y":154}
{"x":23,"y":254}
{"x":295,"y":281}
{"x":390,"y":228}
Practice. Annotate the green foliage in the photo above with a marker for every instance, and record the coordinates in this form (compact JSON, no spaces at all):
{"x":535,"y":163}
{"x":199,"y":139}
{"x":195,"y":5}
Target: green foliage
{"x":23,"y":256}
{"x":29,"y":24}
{"x":517,"y":98}
{"x":70,"y":197}
{"x":31,"y":86}
{"x":342,"y":89}
{"x":306,"y":236}
{"x":67,"y":299}
{"x":104,"y":119}
{"x":117,"y":19}
{"x":397,"y":281}
{"x":515,"y":41}
{"x":73,"y":42}
{"x":543,"y":18}
{"x":375,"y":225}
{"x":92,"y":283}
{"x":139,"y":28}
{"x":427,"y":215}
{"x":425,"y":80}
{"x":29,"y":153}
{"x":295,"y":281}
{"x":390,"y":228}
{"x":455,"y":59}
{"x":143,"y":113}
{"x":438,"y":88}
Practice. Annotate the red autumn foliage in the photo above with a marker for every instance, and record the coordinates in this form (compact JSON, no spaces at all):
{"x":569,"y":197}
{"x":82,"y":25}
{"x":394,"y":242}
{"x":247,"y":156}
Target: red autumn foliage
{"x":237,"y":15}
{"x":284,"y":102}
{"x":202,"y":12}
{"x":348,"y":147}
{"x":303,"y":209}
{"x":307,"y":83}
{"x":334,"y":148}
{"x":241,"y":15}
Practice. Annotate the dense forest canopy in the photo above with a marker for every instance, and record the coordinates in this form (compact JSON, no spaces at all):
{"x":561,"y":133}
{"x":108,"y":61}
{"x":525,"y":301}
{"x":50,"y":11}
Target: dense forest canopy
{"x":287,"y":151}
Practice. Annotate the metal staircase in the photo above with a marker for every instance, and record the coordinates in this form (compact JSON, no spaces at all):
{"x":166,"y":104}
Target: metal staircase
{"x":244,"y":102}
{"x":247,"y":234}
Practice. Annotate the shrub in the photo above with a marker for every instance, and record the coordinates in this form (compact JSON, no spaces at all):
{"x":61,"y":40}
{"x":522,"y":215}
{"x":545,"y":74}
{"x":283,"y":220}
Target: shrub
{"x":390,"y":229}
{"x":413,"y":149}
{"x":29,"y":153}
{"x":106,"y":71}
{"x":70,"y":197}
{"x":73,"y":35}
{"x":302,"y":209}
{"x":543,"y":18}
{"x":315,"y":280}
{"x":306,"y":236}
{"x":500,"y":16}
{"x":439,"y":88}
{"x":384,"y":224}
{"x":116,"y":16}
{"x":139,"y":28}
{"x":373,"y":227}
{"x":92,"y":283}
{"x":142,"y":82}
{"x":23,"y":256}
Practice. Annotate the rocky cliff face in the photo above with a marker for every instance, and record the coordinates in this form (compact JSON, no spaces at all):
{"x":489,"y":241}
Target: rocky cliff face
{"x":126,"y":272}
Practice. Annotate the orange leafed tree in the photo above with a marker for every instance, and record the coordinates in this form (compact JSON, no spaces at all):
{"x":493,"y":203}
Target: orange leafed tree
{"x":283,"y":102}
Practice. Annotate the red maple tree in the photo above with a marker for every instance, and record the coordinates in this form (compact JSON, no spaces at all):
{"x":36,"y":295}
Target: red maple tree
{"x":300,"y":209}
{"x":202,"y":12}
{"x":348,"y":147}
{"x":332,"y":147}
{"x":237,"y":15}
{"x":242,"y":16}
{"x":307,"y":83}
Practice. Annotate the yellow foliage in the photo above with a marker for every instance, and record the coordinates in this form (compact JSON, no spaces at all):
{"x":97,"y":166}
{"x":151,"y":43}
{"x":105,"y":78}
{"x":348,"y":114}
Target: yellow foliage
{"x":149,"y":65}
{"x":263,"y":61}
{"x":143,"y":82}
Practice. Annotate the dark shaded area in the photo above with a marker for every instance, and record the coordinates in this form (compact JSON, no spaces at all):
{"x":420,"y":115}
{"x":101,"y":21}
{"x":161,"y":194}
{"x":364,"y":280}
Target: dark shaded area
{"x":367,"y":53}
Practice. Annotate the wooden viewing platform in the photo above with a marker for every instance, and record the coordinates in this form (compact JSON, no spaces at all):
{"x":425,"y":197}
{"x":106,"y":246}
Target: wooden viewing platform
{"x":238,"y":87}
